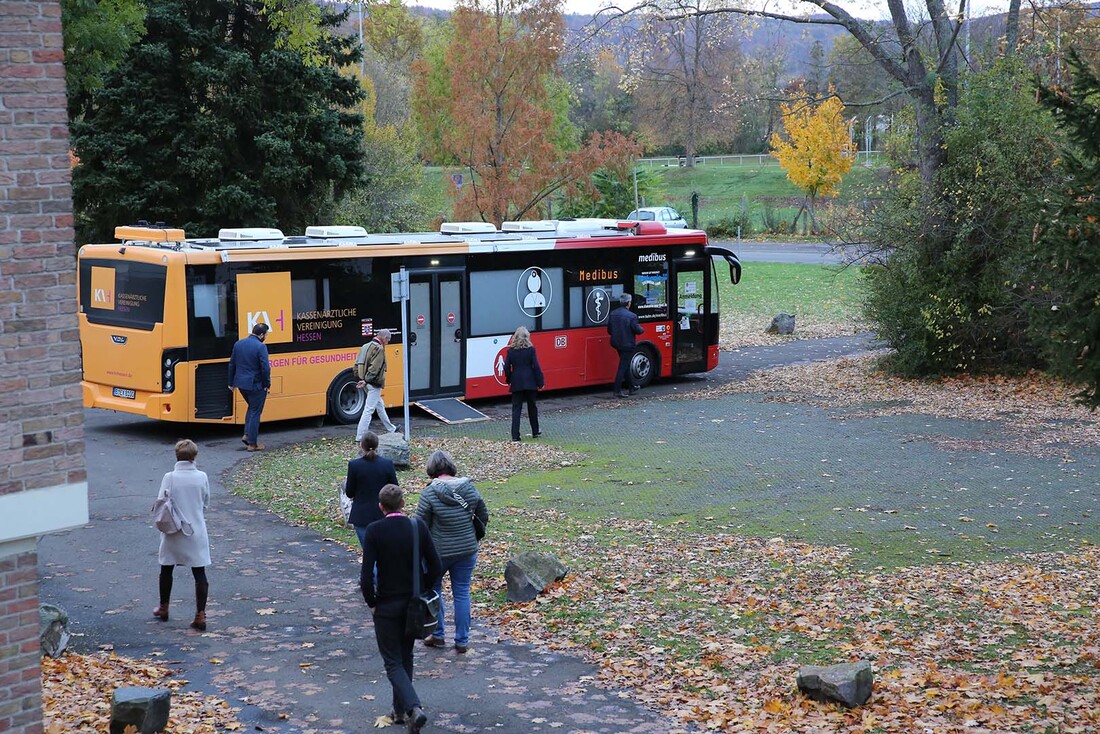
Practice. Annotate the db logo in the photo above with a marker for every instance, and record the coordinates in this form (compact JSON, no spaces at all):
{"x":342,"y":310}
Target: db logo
{"x":498,"y":366}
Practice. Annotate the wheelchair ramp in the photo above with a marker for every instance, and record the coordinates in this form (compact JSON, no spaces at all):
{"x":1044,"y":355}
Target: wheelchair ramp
{"x":451,"y":410}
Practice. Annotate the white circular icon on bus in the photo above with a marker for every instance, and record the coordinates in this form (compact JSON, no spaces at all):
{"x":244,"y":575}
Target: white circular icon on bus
{"x":534,"y":291}
{"x":597,"y":305}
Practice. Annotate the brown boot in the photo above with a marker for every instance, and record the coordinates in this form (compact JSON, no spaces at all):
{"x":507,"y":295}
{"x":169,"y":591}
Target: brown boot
{"x":199,"y":622}
{"x":161,"y":612}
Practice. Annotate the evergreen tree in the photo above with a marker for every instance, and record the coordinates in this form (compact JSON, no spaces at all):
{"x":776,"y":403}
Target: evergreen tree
{"x":210,"y":122}
{"x":1067,"y":295}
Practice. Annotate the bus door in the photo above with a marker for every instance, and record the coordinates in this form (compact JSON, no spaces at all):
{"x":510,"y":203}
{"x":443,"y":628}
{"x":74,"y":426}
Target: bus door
{"x":436,"y":340}
{"x":693,"y":318}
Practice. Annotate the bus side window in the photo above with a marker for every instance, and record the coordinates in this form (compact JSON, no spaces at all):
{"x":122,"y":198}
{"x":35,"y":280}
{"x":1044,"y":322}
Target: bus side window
{"x":204,"y":329}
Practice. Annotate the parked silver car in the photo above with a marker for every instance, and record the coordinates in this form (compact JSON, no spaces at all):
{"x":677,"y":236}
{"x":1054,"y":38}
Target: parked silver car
{"x":666,"y":215}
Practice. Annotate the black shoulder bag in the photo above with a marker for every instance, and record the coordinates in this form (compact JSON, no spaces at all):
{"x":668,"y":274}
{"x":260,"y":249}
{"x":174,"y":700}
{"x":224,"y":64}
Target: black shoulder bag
{"x":423,"y":613}
{"x":479,"y":526}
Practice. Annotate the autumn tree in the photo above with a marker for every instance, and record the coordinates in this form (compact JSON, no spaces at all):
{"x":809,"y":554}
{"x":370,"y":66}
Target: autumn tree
{"x":758,"y":85}
{"x":494,"y":102}
{"x":814,"y":150}
{"x":600,"y":103}
{"x":393,"y":37}
{"x":384,"y":198}
{"x":861,"y":82}
{"x":681,"y":73}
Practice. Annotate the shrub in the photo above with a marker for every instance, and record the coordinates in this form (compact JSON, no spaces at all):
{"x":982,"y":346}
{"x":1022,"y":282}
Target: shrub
{"x":728,"y":228}
{"x":948,"y":298}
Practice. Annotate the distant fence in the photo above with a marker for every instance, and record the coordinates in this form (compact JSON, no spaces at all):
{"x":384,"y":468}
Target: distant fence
{"x":759,"y":160}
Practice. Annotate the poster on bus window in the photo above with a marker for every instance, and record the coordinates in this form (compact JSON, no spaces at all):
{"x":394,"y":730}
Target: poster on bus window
{"x":265,"y":298}
{"x":651,"y":286}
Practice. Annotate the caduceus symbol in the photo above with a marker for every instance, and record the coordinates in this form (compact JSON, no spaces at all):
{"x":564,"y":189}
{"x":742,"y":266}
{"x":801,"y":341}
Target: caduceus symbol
{"x":599,"y":305}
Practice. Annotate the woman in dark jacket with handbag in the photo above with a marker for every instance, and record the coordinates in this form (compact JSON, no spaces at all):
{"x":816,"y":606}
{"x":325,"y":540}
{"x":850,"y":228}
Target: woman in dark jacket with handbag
{"x":366,"y":476}
{"x":524,"y":377}
{"x":448,"y":506}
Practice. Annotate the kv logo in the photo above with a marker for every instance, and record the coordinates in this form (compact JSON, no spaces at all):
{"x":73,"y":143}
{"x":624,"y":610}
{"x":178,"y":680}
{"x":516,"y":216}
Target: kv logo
{"x":261,"y":317}
{"x":103,"y":288}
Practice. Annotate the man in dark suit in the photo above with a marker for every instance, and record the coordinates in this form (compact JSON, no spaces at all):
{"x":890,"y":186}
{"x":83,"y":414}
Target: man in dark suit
{"x":250,"y":372}
{"x":388,"y":544}
{"x":623,"y":326}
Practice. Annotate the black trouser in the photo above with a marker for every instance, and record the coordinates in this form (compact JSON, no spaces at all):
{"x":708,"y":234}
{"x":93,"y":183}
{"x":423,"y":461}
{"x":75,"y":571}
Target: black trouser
{"x":202,"y":587}
{"x":518,"y":398}
{"x":396,"y":649}
{"x":623,"y":373}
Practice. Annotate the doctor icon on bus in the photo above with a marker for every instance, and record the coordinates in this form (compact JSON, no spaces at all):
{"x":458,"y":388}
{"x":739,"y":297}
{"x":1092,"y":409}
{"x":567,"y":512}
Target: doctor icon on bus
{"x":534,"y":298}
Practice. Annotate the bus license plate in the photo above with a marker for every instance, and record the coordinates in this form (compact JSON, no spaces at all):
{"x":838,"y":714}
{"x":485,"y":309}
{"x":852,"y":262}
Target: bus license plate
{"x":122,"y":392}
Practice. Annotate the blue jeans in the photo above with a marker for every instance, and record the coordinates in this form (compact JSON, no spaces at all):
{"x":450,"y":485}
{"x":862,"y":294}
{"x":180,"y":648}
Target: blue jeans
{"x":461,"y":570}
{"x":255,"y":400}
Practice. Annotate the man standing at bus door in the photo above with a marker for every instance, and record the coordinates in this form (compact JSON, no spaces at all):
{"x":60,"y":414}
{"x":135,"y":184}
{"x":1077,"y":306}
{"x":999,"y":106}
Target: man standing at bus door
{"x":623,"y":326}
{"x":370,"y":368}
{"x":250,"y":372}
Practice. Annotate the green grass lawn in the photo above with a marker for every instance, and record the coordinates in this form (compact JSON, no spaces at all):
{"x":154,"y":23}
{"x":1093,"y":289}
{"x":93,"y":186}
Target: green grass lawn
{"x":824,"y":292}
{"x":763,"y":190}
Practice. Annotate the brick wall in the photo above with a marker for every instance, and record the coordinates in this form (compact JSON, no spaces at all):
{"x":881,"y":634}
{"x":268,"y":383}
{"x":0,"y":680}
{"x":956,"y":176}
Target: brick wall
{"x":20,"y":694}
{"x":41,"y":416}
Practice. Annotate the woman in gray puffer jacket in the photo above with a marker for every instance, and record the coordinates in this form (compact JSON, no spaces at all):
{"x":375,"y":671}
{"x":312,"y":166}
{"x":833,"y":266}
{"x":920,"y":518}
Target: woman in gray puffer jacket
{"x":447,"y":505}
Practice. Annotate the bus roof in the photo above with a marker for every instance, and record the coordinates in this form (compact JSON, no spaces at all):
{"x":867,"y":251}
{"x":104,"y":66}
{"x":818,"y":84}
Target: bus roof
{"x":469,"y":237}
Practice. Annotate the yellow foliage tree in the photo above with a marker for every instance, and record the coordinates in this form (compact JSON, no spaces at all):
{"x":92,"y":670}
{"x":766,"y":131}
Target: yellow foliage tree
{"x":815,"y":150}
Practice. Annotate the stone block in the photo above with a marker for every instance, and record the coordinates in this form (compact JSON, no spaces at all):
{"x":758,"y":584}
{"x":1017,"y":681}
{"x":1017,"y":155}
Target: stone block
{"x":144,"y":708}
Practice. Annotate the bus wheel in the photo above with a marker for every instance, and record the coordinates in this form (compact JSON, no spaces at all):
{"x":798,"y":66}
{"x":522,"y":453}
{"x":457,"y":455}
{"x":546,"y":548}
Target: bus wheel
{"x":643,"y":366}
{"x":345,"y":400}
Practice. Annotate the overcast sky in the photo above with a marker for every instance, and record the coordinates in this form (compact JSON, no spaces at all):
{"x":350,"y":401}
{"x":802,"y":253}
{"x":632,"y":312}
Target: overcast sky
{"x":860,"y":8}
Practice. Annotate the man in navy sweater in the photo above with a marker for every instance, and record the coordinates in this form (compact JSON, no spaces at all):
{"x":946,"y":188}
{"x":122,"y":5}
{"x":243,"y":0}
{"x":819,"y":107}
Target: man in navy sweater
{"x":250,"y":372}
{"x":624,"y":328}
{"x":388,"y":544}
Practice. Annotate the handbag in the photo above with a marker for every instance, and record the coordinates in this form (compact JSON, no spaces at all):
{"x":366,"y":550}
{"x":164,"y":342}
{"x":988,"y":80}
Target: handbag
{"x":166,"y":516}
{"x":479,"y":526}
{"x":422,"y":614}
{"x":345,"y":502}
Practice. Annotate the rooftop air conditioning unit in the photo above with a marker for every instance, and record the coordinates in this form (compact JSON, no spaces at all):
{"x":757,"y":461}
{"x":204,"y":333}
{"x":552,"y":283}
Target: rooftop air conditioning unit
{"x":335,"y":231}
{"x":467,"y":228}
{"x":249,"y":234}
{"x":543,"y":225}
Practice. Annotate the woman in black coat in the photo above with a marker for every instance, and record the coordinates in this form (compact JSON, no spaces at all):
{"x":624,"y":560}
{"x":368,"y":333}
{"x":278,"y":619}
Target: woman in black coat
{"x":524,"y":378}
{"x":366,"y":476}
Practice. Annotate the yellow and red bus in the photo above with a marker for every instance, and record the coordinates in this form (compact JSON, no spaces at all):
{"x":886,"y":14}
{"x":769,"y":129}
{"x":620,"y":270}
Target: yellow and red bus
{"x":159,"y":313}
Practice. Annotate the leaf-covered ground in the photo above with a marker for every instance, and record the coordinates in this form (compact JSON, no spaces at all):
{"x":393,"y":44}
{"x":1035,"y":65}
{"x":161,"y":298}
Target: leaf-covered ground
{"x":713,"y":628}
{"x":77,"y":691}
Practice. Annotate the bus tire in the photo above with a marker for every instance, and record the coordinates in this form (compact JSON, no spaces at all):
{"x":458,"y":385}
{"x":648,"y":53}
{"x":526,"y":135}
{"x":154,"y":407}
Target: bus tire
{"x":643,"y":366}
{"x":345,"y":400}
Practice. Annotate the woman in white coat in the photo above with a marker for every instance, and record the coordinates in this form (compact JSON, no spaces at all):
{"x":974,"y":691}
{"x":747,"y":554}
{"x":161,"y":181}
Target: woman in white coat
{"x":190,"y":492}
